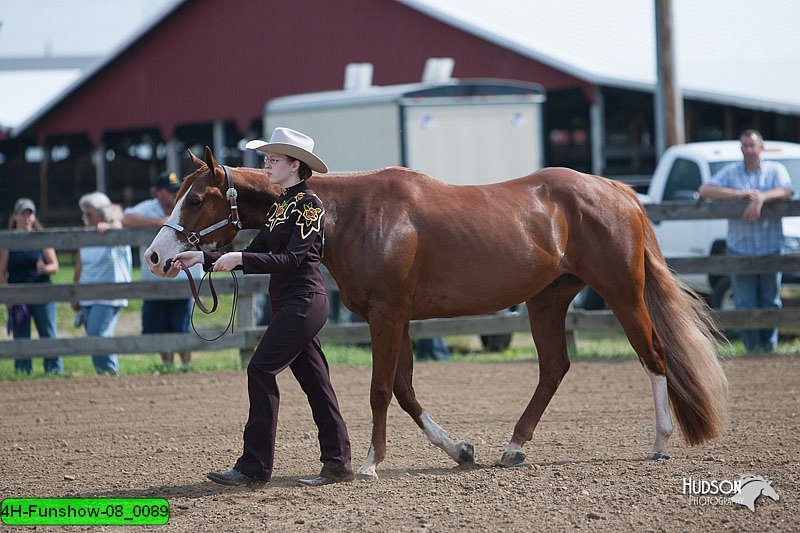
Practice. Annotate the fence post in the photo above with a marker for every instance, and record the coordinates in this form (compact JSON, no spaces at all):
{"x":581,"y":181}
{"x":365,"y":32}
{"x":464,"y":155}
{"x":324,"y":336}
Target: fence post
{"x":246,"y":319}
{"x":572,"y":345}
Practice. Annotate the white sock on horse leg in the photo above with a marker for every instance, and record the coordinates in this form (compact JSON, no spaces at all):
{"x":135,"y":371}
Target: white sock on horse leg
{"x":663,"y":422}
{"x":367,"y":469}
{"x":438,"y":436}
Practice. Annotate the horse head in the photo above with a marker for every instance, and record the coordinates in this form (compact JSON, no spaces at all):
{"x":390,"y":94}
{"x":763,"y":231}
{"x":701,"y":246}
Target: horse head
{"x":207,"y":212}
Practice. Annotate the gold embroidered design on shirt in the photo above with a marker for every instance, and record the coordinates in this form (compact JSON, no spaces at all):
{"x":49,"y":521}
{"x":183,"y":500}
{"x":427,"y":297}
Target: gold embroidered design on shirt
{"x":279,"y":213}
{"x":309,"y":219}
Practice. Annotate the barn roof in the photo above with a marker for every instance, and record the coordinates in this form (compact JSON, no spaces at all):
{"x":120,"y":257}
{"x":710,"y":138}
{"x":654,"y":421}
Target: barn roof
{"x":205,"y":60}
{"x":727,"y":52}
{"x":42,"y":60}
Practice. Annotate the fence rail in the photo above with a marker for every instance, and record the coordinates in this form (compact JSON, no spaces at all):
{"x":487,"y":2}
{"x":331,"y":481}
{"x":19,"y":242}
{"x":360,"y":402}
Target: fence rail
{"x":247,"y":335}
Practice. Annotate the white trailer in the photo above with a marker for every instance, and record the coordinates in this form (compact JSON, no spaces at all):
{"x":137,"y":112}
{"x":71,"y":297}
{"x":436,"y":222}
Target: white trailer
{"x":465,"y":132}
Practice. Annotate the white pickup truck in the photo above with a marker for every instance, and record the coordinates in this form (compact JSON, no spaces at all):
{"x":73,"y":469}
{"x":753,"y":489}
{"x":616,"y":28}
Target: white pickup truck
{"x":679,"y":173}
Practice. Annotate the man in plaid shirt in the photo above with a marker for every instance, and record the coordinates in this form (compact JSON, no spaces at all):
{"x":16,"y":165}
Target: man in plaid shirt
{"x":757,"y":182}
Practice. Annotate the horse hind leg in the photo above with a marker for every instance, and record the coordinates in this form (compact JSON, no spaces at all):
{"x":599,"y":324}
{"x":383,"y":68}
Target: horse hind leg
{"x":460,"y":451}
{"x":547,"y":313}
{"x":632,"y":314}
{"x":663,"y":420}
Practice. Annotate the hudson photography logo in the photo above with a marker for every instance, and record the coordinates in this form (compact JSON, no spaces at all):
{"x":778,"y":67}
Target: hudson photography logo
{"x":743,"y":491}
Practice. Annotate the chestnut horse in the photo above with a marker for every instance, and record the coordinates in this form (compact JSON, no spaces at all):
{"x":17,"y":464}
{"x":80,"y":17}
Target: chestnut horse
{"x":404,"y":246}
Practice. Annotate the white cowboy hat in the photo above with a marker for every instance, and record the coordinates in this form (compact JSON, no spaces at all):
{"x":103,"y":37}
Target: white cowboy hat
{"x":292,"y":143}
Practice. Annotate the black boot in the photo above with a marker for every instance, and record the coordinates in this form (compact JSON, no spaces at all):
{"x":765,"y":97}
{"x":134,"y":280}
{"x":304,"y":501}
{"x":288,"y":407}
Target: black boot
{"x":329,"y":475}
{"x":233,"y":477}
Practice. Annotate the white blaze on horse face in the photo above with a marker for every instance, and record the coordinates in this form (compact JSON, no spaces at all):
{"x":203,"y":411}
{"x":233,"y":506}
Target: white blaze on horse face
{"x":663,"y":424}
{"x":166,"y":243}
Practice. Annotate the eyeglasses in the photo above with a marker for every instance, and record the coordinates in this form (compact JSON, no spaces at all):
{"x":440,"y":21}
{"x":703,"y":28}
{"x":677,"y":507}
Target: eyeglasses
{"x":272,"y":161}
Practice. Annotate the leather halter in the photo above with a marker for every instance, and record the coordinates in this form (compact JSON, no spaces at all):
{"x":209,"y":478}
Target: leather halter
{"x":199,"y":303}
{"x":231,"y":194}
{"x":194,"y":239}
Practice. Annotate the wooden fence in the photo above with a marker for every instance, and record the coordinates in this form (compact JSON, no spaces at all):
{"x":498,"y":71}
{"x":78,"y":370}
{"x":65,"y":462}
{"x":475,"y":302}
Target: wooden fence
{"x":247,"y":334}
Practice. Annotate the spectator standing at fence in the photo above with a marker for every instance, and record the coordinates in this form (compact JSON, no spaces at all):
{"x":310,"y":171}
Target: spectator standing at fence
{"x":102,"y":264}
{"x":162,"y":316}
{"x":30,"y":266}
{"x":758,"y":182}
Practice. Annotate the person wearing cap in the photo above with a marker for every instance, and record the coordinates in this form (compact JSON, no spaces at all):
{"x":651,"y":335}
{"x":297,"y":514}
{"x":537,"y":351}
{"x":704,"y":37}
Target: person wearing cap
{"x":289,"y":248}
{"x":102,"y":264}
{"x":30,"y":266}
{"x":162,"y":316}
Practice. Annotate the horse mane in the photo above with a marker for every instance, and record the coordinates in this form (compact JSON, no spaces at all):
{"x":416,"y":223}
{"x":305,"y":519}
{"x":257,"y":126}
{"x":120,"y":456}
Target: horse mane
{"x":356,"y":173}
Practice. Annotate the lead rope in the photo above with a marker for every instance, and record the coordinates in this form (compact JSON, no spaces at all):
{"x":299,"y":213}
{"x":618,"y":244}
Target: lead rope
{"x":198,"y":303}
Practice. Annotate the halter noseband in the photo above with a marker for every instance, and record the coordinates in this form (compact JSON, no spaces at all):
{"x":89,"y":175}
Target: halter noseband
{"x":231,"y":194}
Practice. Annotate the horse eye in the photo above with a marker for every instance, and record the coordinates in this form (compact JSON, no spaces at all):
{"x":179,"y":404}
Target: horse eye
{"x":194,"y":201}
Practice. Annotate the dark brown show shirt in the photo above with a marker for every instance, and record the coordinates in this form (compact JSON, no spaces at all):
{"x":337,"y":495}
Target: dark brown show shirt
{"x":288,"y":247}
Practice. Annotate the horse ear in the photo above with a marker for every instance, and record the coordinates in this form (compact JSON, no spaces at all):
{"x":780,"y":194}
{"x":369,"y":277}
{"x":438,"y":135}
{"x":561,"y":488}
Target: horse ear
{"x":196,"y":161}
{"x":210,"y":161}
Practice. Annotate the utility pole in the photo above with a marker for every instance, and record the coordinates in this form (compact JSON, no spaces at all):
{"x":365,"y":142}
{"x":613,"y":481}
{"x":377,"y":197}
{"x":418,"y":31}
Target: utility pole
{"x":668,"y":103}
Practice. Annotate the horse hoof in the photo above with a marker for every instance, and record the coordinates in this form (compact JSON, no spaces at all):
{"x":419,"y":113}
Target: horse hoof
{"x":466,"y":454}
{"x":655,"y":456}
{"x":511,"y":459}
{"x":367,"y":473}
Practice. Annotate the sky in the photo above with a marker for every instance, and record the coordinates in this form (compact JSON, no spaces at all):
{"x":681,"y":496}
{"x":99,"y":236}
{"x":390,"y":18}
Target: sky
{"x":37,"y":28}
{"x":54,"y":28}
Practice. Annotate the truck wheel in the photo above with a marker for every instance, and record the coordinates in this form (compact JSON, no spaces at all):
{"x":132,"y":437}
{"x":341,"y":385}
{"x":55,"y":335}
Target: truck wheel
{"x":589,"y":300}
{"x":722,"y":298}
{"x":722,"y":295}
{"x":495,"y":343}
{"x":498,"y":343}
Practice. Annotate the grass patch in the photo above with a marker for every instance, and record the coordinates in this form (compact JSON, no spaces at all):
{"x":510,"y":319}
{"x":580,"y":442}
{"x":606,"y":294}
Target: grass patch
{"x":591,"y":346}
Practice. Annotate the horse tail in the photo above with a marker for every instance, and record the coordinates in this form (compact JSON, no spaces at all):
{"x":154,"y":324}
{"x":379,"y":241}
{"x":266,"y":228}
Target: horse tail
{"x":698,"y":388}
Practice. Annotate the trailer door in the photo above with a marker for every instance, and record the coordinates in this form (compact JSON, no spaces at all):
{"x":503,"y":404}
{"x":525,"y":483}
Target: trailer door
{"x":473,"y":143}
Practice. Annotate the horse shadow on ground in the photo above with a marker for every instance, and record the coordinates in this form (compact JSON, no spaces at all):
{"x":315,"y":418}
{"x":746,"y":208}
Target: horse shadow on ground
{"x":206,"y":488}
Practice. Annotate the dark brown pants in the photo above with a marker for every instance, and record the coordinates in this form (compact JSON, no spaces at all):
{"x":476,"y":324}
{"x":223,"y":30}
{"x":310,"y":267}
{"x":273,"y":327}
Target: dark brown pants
{"x":291,"y":340}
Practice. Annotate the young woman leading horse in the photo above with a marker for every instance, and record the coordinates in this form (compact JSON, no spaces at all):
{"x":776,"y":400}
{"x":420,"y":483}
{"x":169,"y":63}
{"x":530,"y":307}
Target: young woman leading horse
{"x":289,"y":247}
{"x":404,"y":246}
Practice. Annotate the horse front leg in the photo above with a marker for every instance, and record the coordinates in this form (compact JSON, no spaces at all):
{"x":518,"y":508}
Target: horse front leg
{"x":386,"y":333}
{"x":460,"y":451}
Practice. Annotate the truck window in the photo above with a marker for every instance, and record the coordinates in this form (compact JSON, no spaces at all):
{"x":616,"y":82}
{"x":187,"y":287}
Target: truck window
{"x":683,"y":180}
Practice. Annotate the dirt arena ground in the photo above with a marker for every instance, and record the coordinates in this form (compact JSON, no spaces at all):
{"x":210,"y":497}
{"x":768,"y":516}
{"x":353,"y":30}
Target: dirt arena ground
{"x":157,"y":436}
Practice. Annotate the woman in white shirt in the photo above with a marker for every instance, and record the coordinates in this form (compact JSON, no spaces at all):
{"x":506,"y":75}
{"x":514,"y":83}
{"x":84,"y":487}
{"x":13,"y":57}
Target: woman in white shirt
{"x":102,"y":264}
